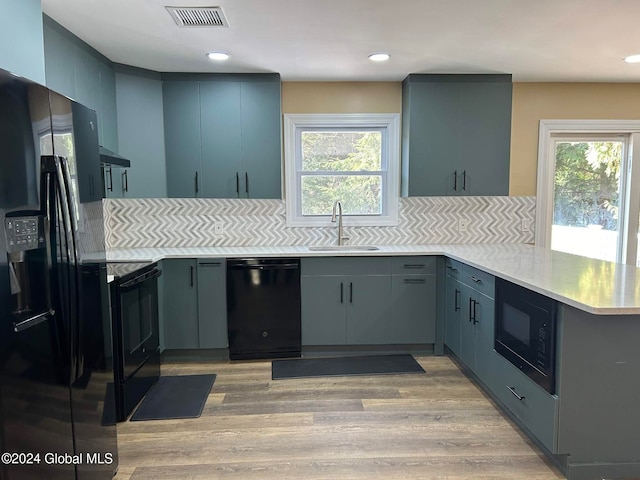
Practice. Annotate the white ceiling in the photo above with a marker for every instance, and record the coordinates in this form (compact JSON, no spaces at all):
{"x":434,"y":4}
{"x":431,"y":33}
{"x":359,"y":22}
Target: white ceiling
{"x":329,"y":40}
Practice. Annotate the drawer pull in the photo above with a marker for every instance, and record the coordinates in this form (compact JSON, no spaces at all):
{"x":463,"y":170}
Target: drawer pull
{"x":452,"y":268}
{"x":515,"y":394}
{"x":477,"y":280}
{"x":415,"y":280}
{"x":414,"y":265}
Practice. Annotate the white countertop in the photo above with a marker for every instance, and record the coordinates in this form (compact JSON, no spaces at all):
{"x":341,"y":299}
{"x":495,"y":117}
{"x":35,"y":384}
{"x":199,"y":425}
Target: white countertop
{"x":595,"y":286}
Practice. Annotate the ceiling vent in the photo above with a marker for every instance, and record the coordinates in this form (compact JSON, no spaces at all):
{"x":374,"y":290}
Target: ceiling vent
{"x":198,"y":16}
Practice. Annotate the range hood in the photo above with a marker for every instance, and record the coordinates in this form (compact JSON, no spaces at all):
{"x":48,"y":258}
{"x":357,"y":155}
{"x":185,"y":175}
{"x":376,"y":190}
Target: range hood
{"x":107,"y":157}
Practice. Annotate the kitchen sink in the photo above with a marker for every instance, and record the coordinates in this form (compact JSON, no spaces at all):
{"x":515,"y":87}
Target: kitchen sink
{"x":343,"y":248}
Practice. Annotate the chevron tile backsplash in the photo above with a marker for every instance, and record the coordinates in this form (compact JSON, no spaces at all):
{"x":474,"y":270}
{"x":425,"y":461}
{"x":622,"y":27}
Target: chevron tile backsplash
{"x":184,"y":222}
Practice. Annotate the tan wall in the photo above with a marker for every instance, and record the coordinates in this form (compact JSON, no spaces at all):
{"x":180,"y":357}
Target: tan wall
{"x":533,"y":102}
{"x":341,"y":97}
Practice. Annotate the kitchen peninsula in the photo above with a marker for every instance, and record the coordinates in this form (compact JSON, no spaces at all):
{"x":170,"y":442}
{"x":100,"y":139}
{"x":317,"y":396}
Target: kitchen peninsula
{"x":589,"y":425}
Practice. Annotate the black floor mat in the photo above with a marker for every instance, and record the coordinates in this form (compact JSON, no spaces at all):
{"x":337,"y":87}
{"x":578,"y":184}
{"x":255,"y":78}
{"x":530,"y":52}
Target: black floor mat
{"x":344,"y":366}
{"x":181,"y":396}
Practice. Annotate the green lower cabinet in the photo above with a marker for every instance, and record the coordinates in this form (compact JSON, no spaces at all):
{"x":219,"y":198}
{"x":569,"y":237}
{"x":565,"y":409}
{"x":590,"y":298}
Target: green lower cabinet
{"x":526,"y":400}
{"x":180,"y":304}
{"x":468,"y":328}
{"x":195,"y":304}
{"x":452,"y":314}
{"x":212,"y":304}
{"x":346,"y":310}
{"x":476,"y":332}
{"x":484,"y":314}
{"x":368,"y":301}
{"x":324,"y":316}
{"x":368,"y":305}
{"x":469,"y":317}
{"x":413,"y":309}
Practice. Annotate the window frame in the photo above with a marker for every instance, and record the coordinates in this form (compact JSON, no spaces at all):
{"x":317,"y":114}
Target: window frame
{"x":552,"y":130}
{"x":389,"y":124}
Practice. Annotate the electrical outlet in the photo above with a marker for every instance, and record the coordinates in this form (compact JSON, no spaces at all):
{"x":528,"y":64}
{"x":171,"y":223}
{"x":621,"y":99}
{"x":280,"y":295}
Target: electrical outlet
{"x":218,"y":228}
{"x":525,"y":225}
{"x":463,"y":223}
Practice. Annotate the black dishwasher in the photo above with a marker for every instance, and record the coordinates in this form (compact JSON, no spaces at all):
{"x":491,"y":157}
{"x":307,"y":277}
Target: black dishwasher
{"x":263,"y":308}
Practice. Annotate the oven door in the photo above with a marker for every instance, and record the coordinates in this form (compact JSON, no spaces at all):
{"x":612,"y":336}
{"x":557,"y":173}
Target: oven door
{"x":138,"y":320}
{"x":525,"y":332}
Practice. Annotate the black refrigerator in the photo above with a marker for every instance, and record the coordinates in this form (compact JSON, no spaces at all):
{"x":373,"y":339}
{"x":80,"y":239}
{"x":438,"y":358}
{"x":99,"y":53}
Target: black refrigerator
{"x":57,"y":416}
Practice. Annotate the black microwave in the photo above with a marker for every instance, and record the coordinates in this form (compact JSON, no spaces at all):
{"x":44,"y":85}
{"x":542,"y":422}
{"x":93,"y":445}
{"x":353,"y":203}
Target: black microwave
{"x":525,"y":332}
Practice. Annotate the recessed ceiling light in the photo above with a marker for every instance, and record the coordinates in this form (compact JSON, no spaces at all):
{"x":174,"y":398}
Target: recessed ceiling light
{"x":379,"y":57}
{"x":219,"y":56}
{"x":632,"y":59}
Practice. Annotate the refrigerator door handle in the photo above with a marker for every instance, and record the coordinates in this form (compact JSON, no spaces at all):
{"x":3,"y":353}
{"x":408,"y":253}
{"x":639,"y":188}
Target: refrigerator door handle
{"x":33,"y":321}
{"x":73,"y":219}
{"x":67,"y":205}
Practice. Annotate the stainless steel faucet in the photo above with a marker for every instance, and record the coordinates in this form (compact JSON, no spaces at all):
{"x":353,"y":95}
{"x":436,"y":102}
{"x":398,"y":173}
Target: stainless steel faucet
{"x":337,"y":211}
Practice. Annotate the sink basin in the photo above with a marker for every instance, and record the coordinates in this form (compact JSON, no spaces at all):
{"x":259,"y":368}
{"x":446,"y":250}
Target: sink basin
{"x":343,"y":248}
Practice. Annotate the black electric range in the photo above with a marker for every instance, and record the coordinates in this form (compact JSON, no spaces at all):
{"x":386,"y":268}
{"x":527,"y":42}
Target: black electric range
{"x":136,"y":333}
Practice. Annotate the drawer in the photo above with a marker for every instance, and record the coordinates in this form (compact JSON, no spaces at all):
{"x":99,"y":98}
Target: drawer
{"x":481,"y":281}
{"x":526,"y":400}
{"x":345,"y":265}
{"x":413,"y":265}
{"x":453,"y":268}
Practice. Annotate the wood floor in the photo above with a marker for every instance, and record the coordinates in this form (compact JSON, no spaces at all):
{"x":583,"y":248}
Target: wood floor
{"x":433,"y":426}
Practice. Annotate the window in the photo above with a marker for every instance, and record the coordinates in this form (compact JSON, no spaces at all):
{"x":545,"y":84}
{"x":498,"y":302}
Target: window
{"x":352,"y":158}
{"x":589,"y":188}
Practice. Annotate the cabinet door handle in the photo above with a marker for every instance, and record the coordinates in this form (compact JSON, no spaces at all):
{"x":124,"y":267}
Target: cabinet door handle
{"x":191,"y":275}
{"x":515,"y":394}
{"x":246,"y":183}
{"x":475,"y":279}
{"x":464,"y":180}
{"x":237,"y":184}
{"x":456,"y":305}
{"x":125,"y":181}
{"x":472,"y":311}
{"x":110,"y":187}
{"x":350,"y":292}
{"x":415,"y":280}
{"x":455,"y":180}
{"x":341,"y":292}
{"x":196,"y":186}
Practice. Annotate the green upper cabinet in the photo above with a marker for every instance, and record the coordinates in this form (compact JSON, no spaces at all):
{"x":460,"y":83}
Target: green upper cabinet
{"x":21,"y":38}
{"x":221,"y":138}
{"x":140,"y":134}
{"x":181,"y":103}
{"x":108,"y":126}
{"x":456,"y":135}
{"x":261,"y":137}
{"x":78,"y":71}
{"x":59,"y":59}
{"x":87,"y":69}
{"x":223,"y":135}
